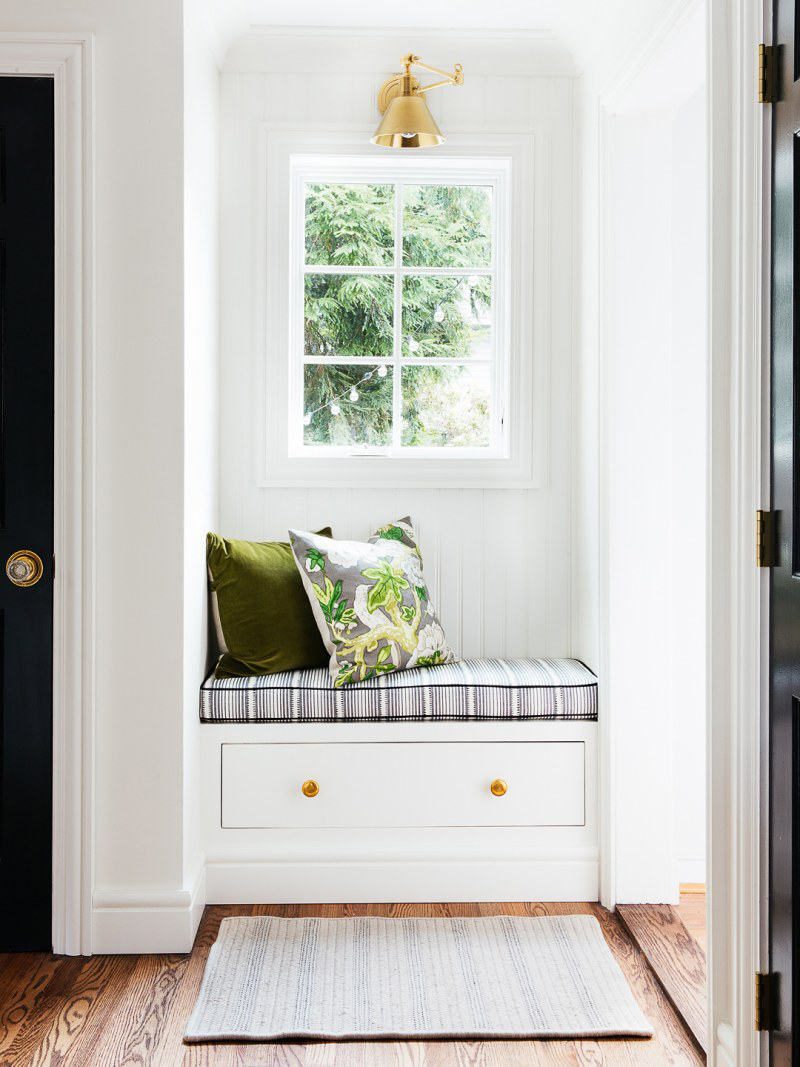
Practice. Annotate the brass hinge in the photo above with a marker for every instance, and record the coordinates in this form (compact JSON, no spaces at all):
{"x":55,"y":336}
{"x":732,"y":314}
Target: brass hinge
{"x":767,"y":74}
{"x":764,"y":1006}
{"x":765,"y":539}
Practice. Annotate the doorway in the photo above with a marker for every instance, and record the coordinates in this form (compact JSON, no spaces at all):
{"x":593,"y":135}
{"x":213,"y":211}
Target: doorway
{"x":654,"y":488}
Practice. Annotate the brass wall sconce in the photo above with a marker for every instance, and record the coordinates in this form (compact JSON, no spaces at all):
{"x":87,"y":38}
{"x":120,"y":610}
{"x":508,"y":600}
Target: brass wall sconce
{"x":407,"y":122}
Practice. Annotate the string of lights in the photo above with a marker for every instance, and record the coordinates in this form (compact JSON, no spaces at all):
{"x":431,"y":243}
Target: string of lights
{"x":352,"y":395}
{"x":413,"y":346}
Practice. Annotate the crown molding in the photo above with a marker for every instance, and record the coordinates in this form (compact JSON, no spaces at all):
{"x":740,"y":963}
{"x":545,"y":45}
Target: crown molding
{"x":335,"y":50}
{"x":465,"y":33}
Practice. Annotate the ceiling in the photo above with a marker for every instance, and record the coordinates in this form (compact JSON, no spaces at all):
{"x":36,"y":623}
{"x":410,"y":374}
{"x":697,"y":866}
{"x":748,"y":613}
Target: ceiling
{"x":432,"y":14}
{"x":582,"y":27}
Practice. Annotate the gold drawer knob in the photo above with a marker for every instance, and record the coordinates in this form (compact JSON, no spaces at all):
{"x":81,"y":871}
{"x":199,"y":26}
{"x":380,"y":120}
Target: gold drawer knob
{"x":499,"y":788}
{"x":310,"y":788}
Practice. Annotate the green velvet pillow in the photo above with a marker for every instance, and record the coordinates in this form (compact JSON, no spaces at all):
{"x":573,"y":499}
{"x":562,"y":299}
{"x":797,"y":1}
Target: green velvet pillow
{"x":263,"y":618}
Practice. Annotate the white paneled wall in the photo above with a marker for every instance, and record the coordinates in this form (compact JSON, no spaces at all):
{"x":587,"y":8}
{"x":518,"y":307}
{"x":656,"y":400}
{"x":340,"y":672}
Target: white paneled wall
{"x":498,"y":560}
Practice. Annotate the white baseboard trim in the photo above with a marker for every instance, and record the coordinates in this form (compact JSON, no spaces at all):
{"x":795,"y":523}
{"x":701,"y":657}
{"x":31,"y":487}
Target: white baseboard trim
{"x":133,"y":921}
{"x":166,"y":921}
{"x":691,"y":869}
{"x":198,"y":901}
{"x":243,"y":882}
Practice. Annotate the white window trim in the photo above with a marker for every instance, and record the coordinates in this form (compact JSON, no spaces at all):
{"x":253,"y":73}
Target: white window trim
{"x":515,"y":462}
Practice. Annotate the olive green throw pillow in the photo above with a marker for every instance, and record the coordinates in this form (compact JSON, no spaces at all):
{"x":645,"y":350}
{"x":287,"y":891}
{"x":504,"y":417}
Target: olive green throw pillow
{"x":263,"y":617}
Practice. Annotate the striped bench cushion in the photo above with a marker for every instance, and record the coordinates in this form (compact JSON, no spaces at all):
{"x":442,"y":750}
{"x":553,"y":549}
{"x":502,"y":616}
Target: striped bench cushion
{"x":470,"y":689}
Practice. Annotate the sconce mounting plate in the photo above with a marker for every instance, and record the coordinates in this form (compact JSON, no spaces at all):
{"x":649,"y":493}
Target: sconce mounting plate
{"x":391,"y":88}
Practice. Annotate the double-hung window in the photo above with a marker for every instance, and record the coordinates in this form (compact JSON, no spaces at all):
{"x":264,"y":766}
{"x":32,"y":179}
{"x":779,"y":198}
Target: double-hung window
{"x":398,"y":338}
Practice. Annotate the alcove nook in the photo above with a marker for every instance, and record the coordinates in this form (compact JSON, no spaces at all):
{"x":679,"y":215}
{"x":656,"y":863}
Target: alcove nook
{"x":573,"y":537}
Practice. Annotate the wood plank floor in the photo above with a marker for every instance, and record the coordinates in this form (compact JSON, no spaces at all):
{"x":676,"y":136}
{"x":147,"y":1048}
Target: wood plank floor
{"x":130,"y":1011}
{"x":676,"y":957}
{"x":692,"y":909}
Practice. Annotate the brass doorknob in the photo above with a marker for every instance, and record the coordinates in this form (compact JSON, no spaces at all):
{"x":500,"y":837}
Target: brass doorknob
{"x":24,"y":567}
{"x":499,"y":788}
{"x":310,"y":788}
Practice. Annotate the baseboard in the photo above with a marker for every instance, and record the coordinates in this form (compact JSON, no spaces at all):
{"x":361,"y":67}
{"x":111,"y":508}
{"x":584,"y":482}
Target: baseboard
{"x":247,"y":882}
{"x":166,"y":922}
{"x":148,"y":921}
{"x":198,"y":900}
{"x":691,"y":869}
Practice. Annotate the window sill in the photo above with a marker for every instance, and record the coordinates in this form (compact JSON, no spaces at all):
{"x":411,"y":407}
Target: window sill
{"x":385,"y":472}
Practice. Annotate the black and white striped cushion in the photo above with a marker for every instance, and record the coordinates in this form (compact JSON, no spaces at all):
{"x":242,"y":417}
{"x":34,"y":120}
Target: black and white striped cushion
{"x":469,"y":689}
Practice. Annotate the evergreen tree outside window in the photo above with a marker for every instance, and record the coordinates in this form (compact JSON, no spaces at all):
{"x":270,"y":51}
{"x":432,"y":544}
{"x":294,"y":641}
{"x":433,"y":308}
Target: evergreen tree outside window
{"x":397,"y":316}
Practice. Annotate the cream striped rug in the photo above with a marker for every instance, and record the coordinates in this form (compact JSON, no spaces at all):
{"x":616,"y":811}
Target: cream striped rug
{"x":555,"y":976}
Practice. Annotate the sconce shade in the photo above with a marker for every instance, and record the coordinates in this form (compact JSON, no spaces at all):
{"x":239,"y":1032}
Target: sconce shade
{"x":407,"y":123}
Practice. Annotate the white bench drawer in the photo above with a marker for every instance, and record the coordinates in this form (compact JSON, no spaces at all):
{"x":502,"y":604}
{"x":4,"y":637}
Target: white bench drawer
{"x":403,"y":784}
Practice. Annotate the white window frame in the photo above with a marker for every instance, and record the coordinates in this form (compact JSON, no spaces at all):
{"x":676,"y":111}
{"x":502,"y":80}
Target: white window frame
{"x":288,"y":159}
{"x":492,"y":173}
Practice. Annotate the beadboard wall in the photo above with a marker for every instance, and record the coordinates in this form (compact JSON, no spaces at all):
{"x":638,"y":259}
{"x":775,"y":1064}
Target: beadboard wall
{"x":498,"y":560}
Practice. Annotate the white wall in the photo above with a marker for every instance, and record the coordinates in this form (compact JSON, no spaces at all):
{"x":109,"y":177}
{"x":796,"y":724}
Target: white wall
{"x":156,"y":225}
{"x":151,"y":500}
{"x":490,"y":605}
{"x":605,"y":40}
{"x":201,"y":388}
{"x":689,"y":361}
{"x":637,"y":484}
{"x":643,"y":335}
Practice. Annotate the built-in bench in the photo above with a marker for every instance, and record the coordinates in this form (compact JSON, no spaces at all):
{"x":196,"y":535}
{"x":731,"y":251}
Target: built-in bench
{"x":474,"y":780}
{"x":477,"y":689}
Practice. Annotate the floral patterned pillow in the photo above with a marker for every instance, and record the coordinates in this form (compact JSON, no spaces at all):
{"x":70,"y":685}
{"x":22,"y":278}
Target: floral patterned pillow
{"x":370,"y":602}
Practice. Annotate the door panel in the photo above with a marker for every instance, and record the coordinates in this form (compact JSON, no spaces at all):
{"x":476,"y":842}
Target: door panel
{"x":26,"y":509}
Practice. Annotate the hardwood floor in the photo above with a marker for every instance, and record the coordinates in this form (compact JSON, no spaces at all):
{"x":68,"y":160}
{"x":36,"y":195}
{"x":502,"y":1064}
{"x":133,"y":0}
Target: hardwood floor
{"x":675,"y":954}
{"x":130,"y":1011}
{"x":692,"y":909}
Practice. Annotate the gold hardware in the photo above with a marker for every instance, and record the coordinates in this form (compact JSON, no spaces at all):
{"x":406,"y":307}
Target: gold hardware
{"x":763,"y":1001}
{"x":765,"y":539}
{"x":392,"y":87}
{"x":310,"y":788}
{"x":767,"y":74}
{"x":24,"y":568}
{"x":499,"y":788}
{"x":407,"y":122}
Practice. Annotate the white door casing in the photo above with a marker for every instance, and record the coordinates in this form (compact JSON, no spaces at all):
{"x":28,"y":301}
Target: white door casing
{"x":737,"y":486}
{"x":67,"y":59}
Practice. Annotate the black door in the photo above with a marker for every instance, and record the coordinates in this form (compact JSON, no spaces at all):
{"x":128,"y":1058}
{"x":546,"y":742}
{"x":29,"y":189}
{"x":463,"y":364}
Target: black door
{"x":26,"y":510}
{"x":784,"y":710}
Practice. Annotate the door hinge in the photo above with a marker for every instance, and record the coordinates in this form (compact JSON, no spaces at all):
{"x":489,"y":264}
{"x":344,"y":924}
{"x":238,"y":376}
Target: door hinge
{"x":764,"y":1001}
{"x":767,"y":73}
{"x":765,"y":539}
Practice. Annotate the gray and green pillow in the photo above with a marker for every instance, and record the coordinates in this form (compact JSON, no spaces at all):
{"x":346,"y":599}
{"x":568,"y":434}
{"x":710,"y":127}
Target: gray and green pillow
{"x":263,"y":619}
{"x":371,"y":602}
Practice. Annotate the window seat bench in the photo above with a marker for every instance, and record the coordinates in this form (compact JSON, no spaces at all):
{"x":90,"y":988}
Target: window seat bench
{"x":468,"y":781}
{"x":476,"y":689}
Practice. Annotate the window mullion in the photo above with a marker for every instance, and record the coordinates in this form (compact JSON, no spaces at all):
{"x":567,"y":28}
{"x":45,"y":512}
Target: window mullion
{"x":397,"y":397}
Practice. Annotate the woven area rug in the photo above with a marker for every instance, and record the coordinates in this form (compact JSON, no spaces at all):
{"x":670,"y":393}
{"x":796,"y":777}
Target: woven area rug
{"x":268,"y":979}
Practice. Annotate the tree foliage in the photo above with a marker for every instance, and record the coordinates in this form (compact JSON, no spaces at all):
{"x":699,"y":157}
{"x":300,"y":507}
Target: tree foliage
{"x":352,"y":315}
